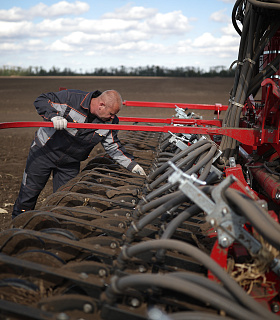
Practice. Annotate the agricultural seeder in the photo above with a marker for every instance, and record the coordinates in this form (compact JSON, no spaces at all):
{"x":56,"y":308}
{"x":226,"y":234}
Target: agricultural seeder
{"x":197,"y":238}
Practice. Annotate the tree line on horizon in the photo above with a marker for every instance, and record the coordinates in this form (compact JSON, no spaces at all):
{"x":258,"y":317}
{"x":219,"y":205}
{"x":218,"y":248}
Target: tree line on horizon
{"x":147,"y":71}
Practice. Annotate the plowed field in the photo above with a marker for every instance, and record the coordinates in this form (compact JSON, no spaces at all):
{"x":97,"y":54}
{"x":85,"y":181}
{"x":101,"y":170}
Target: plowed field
{"x":16,"y":104}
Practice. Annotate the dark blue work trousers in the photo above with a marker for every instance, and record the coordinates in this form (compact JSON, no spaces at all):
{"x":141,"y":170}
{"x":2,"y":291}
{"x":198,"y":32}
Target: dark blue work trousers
{"x":38,"y":169}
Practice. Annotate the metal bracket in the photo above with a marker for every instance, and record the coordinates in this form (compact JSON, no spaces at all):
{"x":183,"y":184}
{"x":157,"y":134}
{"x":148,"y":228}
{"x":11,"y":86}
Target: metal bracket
{"x":178,"y":141}
{"x":180,"y":113}
{"x":228,"y":224}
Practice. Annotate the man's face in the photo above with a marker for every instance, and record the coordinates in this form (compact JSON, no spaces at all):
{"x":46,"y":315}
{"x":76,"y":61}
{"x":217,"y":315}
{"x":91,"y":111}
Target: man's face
{"x":106,"y":112}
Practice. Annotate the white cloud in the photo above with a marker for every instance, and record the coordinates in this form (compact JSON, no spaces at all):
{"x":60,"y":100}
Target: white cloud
{"x":15,"y":29}
{"x":128,"y":12}
{"x":169,"y":23}
{"x":61,"y":46}
{"x":208,"y":40}
{"x":220,"y":16}
{"x":7,"y":46}
{"x":61,"y":8}
{"x":229,"y":30}
{"x":134,"y":33}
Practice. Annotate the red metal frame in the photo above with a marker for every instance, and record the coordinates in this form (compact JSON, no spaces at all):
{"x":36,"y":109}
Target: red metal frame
{"x":216,"y":107}
{"x":252,"y":137}
{"x":243,"y":135}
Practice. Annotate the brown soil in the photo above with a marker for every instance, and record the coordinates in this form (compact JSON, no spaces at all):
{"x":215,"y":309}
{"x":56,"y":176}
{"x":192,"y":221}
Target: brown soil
{"x":16,"y":104}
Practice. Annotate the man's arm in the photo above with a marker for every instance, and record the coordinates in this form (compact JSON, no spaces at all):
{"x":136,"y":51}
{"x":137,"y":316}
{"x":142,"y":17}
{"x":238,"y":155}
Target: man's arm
{"x":116,"y":151}
{"x":52,"y":104}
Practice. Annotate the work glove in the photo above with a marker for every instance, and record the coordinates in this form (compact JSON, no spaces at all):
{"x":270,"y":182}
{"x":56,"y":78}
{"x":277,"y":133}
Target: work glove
{"x":59,"y":123}
{"x":139,"y":170}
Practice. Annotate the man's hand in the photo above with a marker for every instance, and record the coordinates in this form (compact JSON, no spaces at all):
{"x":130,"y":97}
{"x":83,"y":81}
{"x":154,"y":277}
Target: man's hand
{"x":139,"y":170}
{"x":59,"y":123}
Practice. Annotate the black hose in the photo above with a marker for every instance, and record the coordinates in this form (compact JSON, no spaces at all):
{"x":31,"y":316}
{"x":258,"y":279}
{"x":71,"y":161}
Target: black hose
{"x":155,"y":203}
{"x":173,"y":225}
{"x":157,"y":192}
{"x":205,"y":260}
{"x":136,"y":227}
{"x":180,"y":155}
{"x":190,"y":157}
{"x":259,"y":219}
{"x":275,"y":5}
{"x":176,"y":222}
{"x":233,"y":17}
{"x":195,"y":315}
{"x":204,"y":282}
{"x":120,"y":285}
{"x":257,"y":31}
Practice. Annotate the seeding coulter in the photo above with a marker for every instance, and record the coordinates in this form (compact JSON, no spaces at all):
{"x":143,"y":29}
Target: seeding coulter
{"x":198,"y":238}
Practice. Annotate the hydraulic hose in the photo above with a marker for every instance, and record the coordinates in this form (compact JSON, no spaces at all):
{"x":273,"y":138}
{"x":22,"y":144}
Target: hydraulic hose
{"x":204,"y":259}
{"x":206,"y":170}
{"x":184,"y":161}
{"x":174,"y":224}
{"x":180,"y":155}
{"x":155,"y":193}
{"x":273,"y":5}
{"x":254,"y":37}
{"x":167,"y":186}
{"x":207,"y":160}
{"x":136,"y":227}
{"x":196,"y":315}
{"x":259,"y":219}
{"x":120,"y":285}
{"x":204,"y":282}
{"x":155,"y":203}
{"x":177,"y":221}
{"x":233,"y":17}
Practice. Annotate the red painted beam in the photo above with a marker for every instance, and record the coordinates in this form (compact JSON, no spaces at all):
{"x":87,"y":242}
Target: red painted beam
{"x":199,"y":122}
{"x":215,"y":107}
{"x":246,"y":136}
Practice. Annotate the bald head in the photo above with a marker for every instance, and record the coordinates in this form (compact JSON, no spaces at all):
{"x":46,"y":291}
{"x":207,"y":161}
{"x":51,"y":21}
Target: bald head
{"x":107,"y":105}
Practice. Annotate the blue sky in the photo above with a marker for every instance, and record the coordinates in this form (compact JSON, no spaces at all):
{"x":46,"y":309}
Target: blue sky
{"x":84,"y":35}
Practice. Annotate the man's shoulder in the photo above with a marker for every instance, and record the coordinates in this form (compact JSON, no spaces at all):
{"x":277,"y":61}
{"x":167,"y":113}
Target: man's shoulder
{"x":77,"y":91}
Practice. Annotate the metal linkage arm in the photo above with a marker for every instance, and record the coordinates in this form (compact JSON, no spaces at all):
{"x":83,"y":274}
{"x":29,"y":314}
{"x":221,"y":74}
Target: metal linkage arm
{"x":228,"y":224}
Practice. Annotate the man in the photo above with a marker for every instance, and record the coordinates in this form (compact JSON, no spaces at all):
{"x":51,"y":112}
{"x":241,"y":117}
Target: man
{"x":60,"y":149}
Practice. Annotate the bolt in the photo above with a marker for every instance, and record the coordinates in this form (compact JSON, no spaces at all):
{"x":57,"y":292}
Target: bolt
{"x":232,"y":162}
{"x":155,"y":314}
{"x":62,"y":316}
{"x":142,"y":269}
{"x":277,"y":196}
{"x":128,"y":215}
{"x":121,"y":225}
{"x":134,"y":302}
{"x":102,"y":272}
{"x":113,"y":245}
{"x":87,"y":308}
{"x":212,"y":222}
{"x":83,"y":275}
{"x":224,"y":242}
{"x":224,"y":211}
{"x":275,"y":307}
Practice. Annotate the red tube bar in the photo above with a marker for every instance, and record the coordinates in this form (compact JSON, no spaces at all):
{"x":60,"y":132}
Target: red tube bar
{"x":246,"y":136}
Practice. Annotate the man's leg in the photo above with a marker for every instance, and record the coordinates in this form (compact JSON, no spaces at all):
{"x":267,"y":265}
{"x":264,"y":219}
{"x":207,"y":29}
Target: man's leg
{"x":36,"y":174}
{"x":64,"y":173}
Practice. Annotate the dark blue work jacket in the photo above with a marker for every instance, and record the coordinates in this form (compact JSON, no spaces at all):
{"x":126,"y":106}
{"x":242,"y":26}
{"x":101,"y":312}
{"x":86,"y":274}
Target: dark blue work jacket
{"x":75,"y":145}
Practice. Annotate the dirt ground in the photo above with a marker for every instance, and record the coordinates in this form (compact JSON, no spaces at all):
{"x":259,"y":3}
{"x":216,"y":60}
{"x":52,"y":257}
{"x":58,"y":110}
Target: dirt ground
{"x":16,"y":104}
